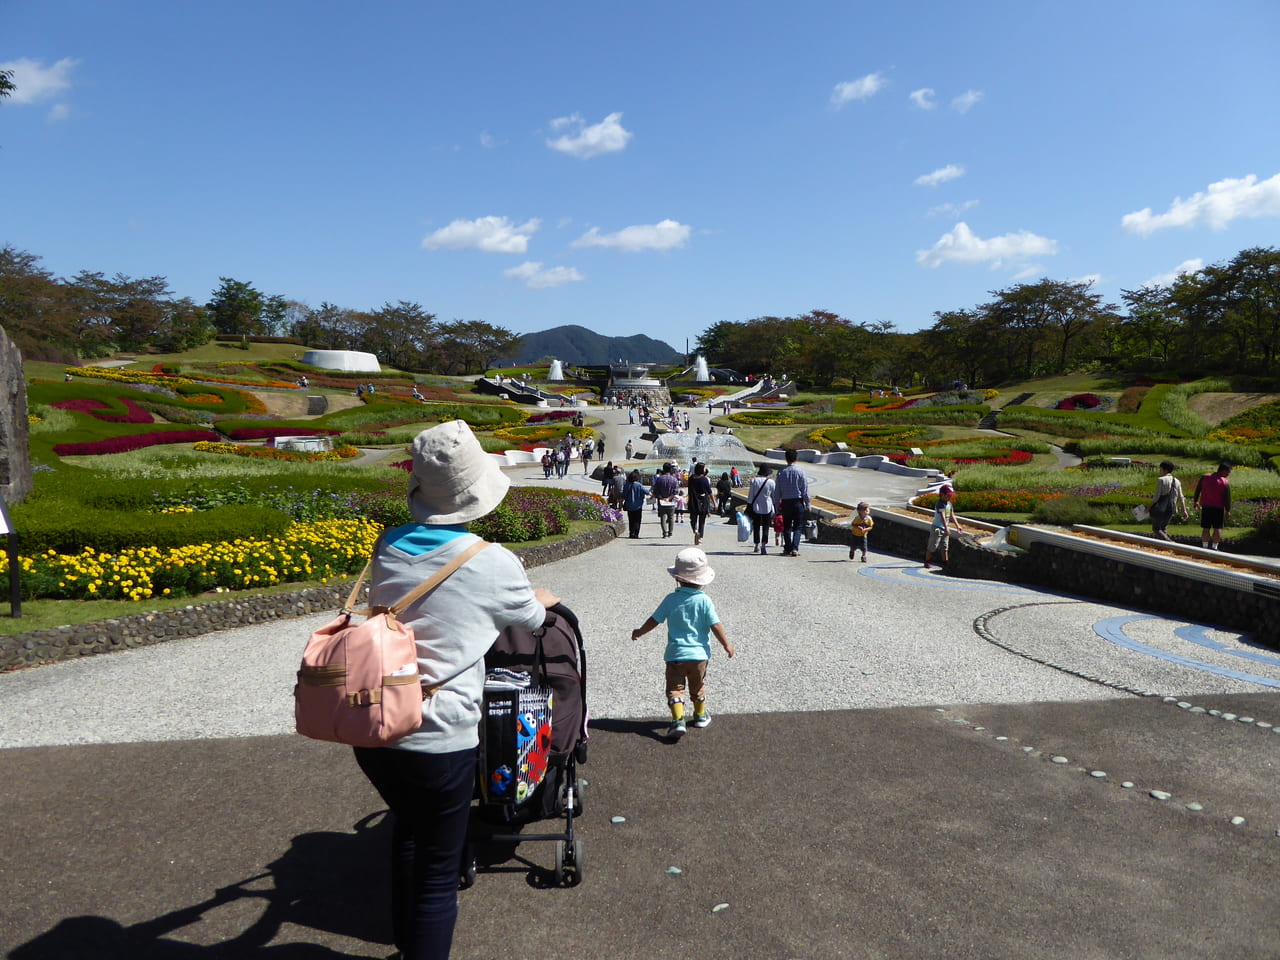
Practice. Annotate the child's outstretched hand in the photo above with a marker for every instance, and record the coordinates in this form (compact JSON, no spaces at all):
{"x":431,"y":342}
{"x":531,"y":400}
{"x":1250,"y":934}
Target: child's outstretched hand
{"x":728,"y":649}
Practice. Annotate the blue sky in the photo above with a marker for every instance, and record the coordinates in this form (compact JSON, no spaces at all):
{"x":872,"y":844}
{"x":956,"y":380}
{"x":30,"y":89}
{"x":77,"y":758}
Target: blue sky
{"x":633,"y":168}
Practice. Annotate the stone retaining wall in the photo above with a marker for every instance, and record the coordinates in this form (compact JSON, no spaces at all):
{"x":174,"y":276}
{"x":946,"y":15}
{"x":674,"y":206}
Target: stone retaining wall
{"x":1110,"y":579}
{"x":138,"y":630}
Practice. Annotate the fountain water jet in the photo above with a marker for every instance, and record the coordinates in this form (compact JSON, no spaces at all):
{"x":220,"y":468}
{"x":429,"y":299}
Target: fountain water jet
{"x":719,"y":451}
{"x":700,"y":372}
{"x":557,"y":371}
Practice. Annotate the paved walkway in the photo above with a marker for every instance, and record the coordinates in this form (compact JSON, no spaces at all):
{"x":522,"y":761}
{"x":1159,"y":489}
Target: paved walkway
{"x":902,"y":765}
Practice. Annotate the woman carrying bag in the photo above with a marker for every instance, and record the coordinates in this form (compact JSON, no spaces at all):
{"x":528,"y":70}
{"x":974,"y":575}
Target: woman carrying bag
{"x":427,"y":778}
{"x":761,"y":508}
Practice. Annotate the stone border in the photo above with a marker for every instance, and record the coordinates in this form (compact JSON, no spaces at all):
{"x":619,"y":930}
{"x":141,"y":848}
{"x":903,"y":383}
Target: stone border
{"x":143,"y":629}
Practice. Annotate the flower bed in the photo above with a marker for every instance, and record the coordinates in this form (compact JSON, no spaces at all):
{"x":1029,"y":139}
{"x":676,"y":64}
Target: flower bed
{"x":1080,"y":401}
{"x":310,"y":551}
{"x":270,"y":433}
{"x":750,"y":418}
{"x":134,"y":441}
{"x":94,"y":408}
{"x":996,"y":501}
{"x":271,"y":453}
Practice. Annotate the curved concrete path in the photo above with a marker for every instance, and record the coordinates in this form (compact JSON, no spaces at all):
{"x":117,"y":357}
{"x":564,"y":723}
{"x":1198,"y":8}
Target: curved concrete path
{"x":902,"y":765}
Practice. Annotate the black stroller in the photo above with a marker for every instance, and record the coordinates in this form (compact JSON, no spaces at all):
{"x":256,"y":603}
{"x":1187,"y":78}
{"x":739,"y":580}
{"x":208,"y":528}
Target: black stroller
{"x":532,"y":738}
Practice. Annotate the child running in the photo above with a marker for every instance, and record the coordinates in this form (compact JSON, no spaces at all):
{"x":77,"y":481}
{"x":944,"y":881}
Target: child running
{"x":691,"y":619}
{"x":860,"y":526}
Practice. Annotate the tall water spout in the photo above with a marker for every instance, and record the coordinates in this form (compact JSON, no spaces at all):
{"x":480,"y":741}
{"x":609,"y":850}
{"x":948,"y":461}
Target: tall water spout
{"x":557,"y":371}
{"x":700,"y":372}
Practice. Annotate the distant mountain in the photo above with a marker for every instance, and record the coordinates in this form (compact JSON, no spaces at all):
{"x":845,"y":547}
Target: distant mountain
{"x":578,"y":345}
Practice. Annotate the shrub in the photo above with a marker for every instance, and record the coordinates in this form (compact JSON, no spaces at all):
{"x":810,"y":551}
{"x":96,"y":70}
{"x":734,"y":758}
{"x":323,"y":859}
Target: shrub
{"x":73,"y":528}
{"x":1065,"y":511}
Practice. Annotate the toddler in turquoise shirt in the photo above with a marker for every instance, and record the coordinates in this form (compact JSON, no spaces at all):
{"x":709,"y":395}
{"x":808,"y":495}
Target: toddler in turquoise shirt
{"x":691,"y":620}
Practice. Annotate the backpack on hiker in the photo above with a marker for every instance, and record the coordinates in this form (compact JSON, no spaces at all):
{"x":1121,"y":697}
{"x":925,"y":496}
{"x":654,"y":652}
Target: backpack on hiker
{"x":359,"y":683}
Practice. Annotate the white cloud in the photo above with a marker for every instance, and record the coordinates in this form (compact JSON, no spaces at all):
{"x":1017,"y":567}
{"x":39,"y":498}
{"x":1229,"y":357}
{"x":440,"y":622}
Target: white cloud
{"x":607,"y":136}
{"x":861,"y":89}
{"x":666,"y":235}
{"x":490,"y":234}
{"x":535,"y":277}
{"x":1186,"y":266}
{"x":923,"y":98}
{"x":941,"y":175}
{"x":961,"y":245}
{"x":487,"y":141}
{"x":952,"y":209}
{"x":1224,"y":201}
{"x":965,"y":102}
{"x":1092,"y":279}
{"x":58,"y":112}
{"x":33,"y":81}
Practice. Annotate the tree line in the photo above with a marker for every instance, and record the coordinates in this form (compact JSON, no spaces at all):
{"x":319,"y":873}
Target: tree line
{"x":91,"y":315}
{"x":1224,"y":318}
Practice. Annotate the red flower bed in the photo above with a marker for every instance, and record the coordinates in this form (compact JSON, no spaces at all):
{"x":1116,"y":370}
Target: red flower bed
{"x":1011,"y":458}
{"x":270,"y":433}
{"x":94,"y":409}
{"x":552,"y":416}
{"x":1081,"y":401}
{"x":134,"y":441}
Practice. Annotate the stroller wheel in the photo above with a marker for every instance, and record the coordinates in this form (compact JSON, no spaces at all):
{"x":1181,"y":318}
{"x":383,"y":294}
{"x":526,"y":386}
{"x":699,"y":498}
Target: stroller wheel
{"x":557,"y":871}
{"x":575,"y":857}
{"x":468,"y":877}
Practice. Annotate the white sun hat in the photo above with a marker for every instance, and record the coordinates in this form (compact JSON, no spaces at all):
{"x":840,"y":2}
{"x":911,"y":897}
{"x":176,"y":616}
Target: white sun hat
{"x":453,"y":480}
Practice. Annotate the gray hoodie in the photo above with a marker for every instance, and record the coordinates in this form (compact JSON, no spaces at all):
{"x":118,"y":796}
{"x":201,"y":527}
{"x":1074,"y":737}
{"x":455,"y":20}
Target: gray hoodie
{"x":454,"y":626}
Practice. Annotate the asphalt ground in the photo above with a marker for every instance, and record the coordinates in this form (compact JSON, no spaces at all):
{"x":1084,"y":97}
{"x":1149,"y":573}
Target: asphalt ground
{"x":901,"y":765}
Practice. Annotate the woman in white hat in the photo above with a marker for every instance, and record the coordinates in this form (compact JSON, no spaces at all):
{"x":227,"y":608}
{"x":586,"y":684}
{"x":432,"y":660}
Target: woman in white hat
{"x":427,"y":778}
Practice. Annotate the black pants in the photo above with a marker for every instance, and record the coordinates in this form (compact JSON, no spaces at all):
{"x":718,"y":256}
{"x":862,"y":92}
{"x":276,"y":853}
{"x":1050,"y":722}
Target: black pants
{"x":633,"y":522}
{"x":761,"y":525}
{"x":430,"y":799}
{"x":698,"y":520}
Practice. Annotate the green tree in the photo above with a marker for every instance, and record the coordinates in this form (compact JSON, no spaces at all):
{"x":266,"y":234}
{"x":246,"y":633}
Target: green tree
{"x":236,"y":308}
{"x":472,"y":346}
{"x":34,"y":308}
{"x":184,"y":325}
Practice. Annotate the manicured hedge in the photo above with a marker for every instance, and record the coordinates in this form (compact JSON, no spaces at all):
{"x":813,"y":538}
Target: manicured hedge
{"x":71,"y":527}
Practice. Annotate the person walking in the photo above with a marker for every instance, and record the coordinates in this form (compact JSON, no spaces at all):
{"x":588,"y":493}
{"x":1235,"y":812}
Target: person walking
{"x":588,"y":449}
{"x":1213,"y":497}
{"x":691,"y":620}
{"x":860,"y":526}
{"x":944,"y":518}
{"x":630,"y":449}
{"x":617,"y":481}
{"x":427,"y":778}
{"x":700,"y":497}
{"x":760,"y":509}
{"x":665,"y":488}
{"x":633,"y":497}
{"x":1167,"y":501}
{"x":793,"y":502}
{"x":724,"y":490}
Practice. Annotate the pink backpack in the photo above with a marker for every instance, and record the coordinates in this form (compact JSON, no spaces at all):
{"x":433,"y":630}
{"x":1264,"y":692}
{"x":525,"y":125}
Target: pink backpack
{"x":359,"y":683}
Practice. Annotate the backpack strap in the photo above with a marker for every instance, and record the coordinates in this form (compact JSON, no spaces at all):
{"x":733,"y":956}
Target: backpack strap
{"x":420,"y":590}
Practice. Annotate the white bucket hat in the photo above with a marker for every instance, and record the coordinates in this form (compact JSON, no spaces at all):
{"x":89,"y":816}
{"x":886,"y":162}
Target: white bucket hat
{"x":692,"y":567}
{"x":453,"y":480}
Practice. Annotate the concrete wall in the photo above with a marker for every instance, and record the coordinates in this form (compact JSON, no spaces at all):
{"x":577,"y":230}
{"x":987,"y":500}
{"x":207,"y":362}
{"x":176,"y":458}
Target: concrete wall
{"x":1119,"y":577}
